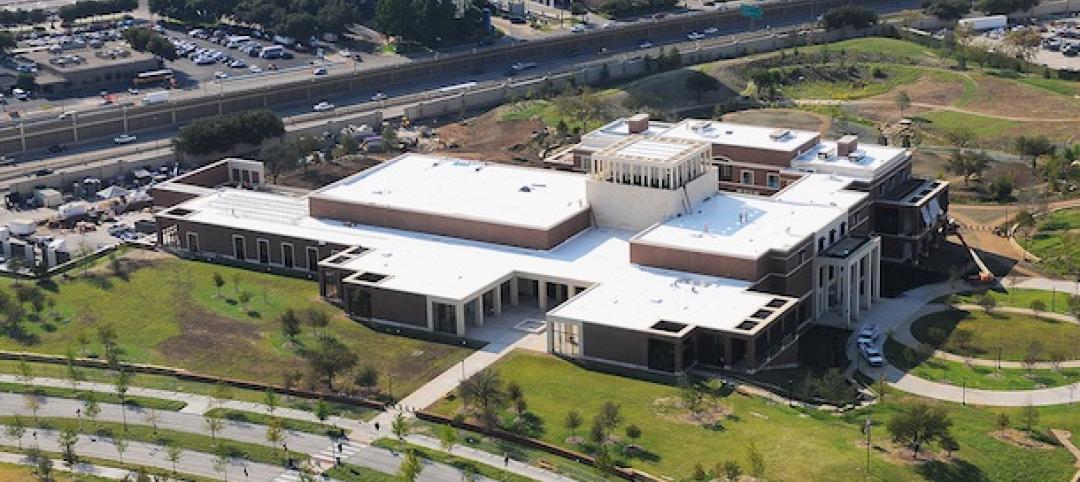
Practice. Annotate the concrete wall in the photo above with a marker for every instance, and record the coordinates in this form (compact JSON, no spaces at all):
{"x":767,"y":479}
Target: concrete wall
{"x":634,"y":208}
{"x":696,"y":262}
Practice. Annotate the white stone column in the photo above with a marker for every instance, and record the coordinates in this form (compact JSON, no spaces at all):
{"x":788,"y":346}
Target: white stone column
{"x":876,"y":264}
{"x":550,"y":336}
{"x":459,"y":315}
{"x":842,"y":291}
{"x":515,"y":297}
{"x":479,"y":321}
{"x":853,"y":289}
{"x":430,"y":315}
{"x":541,"y":294}
{"x":496,"y":297}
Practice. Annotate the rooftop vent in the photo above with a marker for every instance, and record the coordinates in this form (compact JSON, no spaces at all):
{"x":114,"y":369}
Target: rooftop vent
{"x":847,"y":145}
{"x":179,"y":212}
{"x":371,"y":277}
{"x":669,"y":326}
{"x":779,"y":134}
{"x":747,"y":325}
{"x":638,"y":123}
{"x":775,"y":303}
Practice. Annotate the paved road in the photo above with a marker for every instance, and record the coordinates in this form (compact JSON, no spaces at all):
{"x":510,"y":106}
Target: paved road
{"x":79,"y":468}
{"x":892,"y":315}
{"x":149,"y":455}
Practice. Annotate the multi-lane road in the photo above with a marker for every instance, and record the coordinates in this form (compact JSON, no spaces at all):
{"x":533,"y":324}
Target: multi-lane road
{"x":404,"y":91}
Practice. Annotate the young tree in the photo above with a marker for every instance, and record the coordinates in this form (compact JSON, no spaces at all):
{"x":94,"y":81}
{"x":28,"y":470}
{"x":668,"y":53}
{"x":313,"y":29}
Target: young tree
{"x":448,"y":437}
{"x":290,"y":324}
{"x":26,"y":374}
{"x":270,"y":399}
{"x":573,"y":422}
{"x":318,"y":319}
{"x":120,"y":442}
{"x":1033,"y":354}
{"x":33,"y":404}
{"x":173,"y":453}
{"x":400,"y":427}
{"x":610,"y":415}
{"x":214,"y":423}
{"x":1029,"y":416}
{"x":72,"y":371}
{"x":484,"y":392}
{"x":322,"y":409}
{"x":15,"y":429}
{"x":244,"y":297}
{"x":68,"y":439}
{"x":219,"y":282}
{"x":988,"y":303}
{"x":693,"y":397}
{"x":121,"y":384}
{"x":42,"y":463}
{"x":410,"y":467}
{"x":274,"y":433}
{"x":90,"y":407}
{"x":903,"y":101}
{"x":731,"y":470}
{"x":917,"y":424}
{"x":221,"y":460}
{"x":221,"y":393}
{"x":1002,"y":421}
{"x":633,"y":432}
{"x":152,"y":417}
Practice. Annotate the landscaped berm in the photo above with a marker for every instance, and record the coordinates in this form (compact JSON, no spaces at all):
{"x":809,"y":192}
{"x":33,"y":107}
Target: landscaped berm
{"x":154,"y":308}
{"x":676,"y":430}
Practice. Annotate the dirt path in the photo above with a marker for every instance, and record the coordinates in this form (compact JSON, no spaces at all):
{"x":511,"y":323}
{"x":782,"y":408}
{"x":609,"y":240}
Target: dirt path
{"x":924,"y":105}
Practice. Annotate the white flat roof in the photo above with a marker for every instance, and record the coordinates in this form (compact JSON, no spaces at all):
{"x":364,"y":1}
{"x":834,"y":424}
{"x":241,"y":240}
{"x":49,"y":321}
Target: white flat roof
{"x":497,"y":193}
{"x":626,"y":295}
{"x":744,"y":226}
{"x":741,"y":135}
{"x":822,"y":190}
{"x":873,"y":161}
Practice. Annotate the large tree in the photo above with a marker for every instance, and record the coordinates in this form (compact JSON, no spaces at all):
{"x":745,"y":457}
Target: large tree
{"x":485,"y":393}
{"x":331,"y":357}
{"x":996,"y":7}
{"x":947,"y":9}
{"x":918,"y":424}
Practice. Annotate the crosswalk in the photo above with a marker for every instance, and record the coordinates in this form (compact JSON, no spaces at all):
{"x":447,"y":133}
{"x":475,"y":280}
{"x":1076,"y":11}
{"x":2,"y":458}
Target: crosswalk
{"x":323,"y":460}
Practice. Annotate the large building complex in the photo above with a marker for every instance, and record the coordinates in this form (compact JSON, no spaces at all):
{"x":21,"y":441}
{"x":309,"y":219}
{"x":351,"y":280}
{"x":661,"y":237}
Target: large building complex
{"x":906,"y":212}
{"x":642,"y":262}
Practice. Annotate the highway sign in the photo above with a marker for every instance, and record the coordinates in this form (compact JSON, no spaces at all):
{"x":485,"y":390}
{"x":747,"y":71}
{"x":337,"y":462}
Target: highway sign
{"x":752,"y":12}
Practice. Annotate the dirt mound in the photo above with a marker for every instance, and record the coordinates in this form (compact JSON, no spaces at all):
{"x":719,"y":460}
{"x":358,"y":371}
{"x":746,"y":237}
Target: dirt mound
{"x":786,"y":118}
{"x":318,"y":175}
{"x":490,"y":138}
{"x":1020,"y":439}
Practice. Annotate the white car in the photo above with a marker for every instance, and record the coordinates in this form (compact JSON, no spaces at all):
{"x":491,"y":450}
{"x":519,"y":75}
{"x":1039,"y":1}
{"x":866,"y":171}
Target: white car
{"x":872,"y":355}
{"x":695,"y":36}
{"x":238,"y":64}
{"x":868,"y":335}
{"x":319,"y":71}
{"x":645,"y":44}
{"x":255,"y":69}
{"x":124,"y":139}
{"x":578,"y":28}
{"x":220,"y":75}
{"x":711,"y":31}
{"x":323,"y":106}
{"x":378,"y":96}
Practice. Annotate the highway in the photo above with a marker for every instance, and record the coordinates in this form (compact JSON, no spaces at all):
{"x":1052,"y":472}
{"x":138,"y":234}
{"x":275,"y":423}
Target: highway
{"x":400,"y":93}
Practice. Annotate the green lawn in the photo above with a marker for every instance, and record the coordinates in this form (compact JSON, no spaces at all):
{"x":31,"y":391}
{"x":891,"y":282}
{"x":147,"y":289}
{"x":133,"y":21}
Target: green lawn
{"x":1059,"y":86}
{"x":454,"y":461}
{"x":884,"y":46}
{"x":1063,"y":219}
{"x":796,"y":445}
{"x":984,"y":128}
{"x":356,"y":473}
{"x":168,"y":312}
{"x":22,"y":473}
{"x":145,"y":433}
{"x":1055,"y":301}
{"x":987,"y":378}
{"x":163,"y":382}
{"x":286,"y":423}
{"x":61,"y":392}
{"x":896,"y":76}
{"x":1012,"y":334}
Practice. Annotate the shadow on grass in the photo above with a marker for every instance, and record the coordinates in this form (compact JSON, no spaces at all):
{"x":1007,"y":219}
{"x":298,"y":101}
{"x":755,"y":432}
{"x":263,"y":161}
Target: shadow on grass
{"x":957,"y":470}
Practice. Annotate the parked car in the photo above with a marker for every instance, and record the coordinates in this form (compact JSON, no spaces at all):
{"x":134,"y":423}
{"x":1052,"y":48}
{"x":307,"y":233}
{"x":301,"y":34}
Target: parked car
{"x":323,"y":106}
{"x":43,"y":172}
{"x":711,"y":31}
{"x":869,"y":334}
{"x":255,"y":69}
{"x":644,"y":44}
{"x":872,"y":355}
{"x":124,"y":139}
{"x":378,"y":96}
{"x":695,"y":36}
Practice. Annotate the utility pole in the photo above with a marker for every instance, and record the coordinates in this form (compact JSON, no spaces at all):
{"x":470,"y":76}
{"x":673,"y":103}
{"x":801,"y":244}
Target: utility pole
{"x":868,"y":444}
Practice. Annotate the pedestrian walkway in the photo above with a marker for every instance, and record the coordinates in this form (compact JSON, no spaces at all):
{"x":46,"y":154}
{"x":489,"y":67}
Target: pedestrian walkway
{"x":81,"y":468}
{"x":508,"y":464}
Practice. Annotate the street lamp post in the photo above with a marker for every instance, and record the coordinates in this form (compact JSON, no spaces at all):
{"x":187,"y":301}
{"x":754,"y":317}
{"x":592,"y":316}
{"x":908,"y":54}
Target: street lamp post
{"x":963,"y":391}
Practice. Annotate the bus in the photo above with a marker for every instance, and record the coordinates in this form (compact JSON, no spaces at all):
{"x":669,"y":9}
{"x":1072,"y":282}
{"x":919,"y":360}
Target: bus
{"x":154,"y":77}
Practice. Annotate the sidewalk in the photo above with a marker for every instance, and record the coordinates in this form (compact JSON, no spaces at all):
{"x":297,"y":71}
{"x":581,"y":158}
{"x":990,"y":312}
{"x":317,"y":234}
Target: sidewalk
{"x":81,"y":468}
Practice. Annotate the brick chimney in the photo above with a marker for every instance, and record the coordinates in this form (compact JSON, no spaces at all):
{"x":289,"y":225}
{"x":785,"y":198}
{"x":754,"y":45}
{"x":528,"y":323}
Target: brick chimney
{"x":846,"y":145}
{"x":638,"y":123}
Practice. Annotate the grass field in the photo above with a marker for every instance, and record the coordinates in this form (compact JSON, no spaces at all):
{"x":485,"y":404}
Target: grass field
{"x":21,"y":473}
{"x":1012,"y":334}
{"x":885,"y":46}
{"x":167,"y":311}
{"x":1055,"y":301}
{"x":144,"y":433}
{"x":462,"y":464}
{"x":986,"y":378}
{"x":984,"y":128}
{"x":356,"y":473}
{"x":1057,"y":86}
{"x":60,"y":392}
{"x":896,"y":76}
{"x":796,"y":445}
{"x":286,"y":423}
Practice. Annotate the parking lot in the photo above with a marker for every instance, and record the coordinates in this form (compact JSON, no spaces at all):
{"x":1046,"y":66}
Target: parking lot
{"x":202,"y":58}
{"x":1060,"y":47}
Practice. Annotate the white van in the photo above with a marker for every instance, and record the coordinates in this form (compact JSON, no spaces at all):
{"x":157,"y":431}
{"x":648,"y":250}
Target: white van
{"x":19,"y":94}
{"x":237,"y":41}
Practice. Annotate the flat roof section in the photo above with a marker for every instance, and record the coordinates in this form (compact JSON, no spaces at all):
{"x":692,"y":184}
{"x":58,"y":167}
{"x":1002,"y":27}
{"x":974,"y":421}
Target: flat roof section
{"x":743,"y":226}
{"x":822,"y":190}
{"x":741,"y":135}
{"x":871,"y":160}
{"x":650,"y":150}
{"x":510,"y":195}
